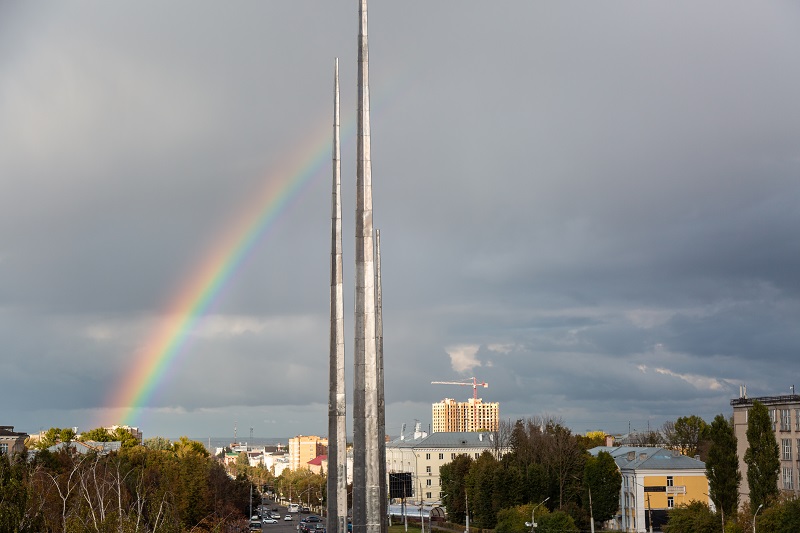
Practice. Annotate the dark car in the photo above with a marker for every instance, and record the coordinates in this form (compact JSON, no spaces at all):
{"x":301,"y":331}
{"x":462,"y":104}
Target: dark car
{"x":312,"y":518}
{"x":319,"y":528}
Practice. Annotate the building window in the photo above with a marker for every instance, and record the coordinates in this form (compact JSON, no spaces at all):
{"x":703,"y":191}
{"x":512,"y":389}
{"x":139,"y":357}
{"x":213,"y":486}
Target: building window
{"x":797,"y":419}
{"x":477,"y":455}
{"x":798,"y":449}
{"x":670,"y":502}
{"x":428,"y":482}
{"x":428,"y":469}
{"x":428,"y":495}
{"x":441,"y":456}
{"x":786,"y":419}
{"x":669,"y":481}
{"x":428,"y":456}
{"x":788,"y":478}
{"x":786,"y":445}
{"x":453,"y":456}
{"x":3,"y":448}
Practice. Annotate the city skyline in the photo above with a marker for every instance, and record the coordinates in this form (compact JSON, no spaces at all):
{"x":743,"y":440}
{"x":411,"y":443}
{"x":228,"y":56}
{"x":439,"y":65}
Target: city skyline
{"x":591,"y":207}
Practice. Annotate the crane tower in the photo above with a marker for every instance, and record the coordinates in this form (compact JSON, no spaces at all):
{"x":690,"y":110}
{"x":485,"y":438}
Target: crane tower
{"x":474,"y":383}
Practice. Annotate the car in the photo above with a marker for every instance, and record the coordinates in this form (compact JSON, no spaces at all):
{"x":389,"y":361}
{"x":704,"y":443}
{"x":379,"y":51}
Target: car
{"x":268,"y":520}
{"x":305,"y":510}
{"x":288,"y":518}
{"x":275,"y":515}
{"x":319,"y":528}
{"x":313,"y":518}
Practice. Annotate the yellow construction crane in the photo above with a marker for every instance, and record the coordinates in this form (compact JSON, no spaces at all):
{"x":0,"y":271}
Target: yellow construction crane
{"x":474,"y":383}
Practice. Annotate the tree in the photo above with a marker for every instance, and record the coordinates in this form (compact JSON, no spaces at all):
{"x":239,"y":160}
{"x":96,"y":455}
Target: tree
{"x":603,"y":479}
{"x":513,"y":519}
{"x":762,"y":457}
{"x":453,"y":477}
{"x":592,"y":439}
{"x":556,"y":522}
{"x":722,"y":467}
{"x":157,"y":443}
{"x":686,"y":434}
{"x":696,"y":517}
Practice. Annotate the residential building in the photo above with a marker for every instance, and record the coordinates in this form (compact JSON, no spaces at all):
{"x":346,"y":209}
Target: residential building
{"x":654,"y":480}
{"x":472,"y":415}
{"x":419,"y":457}
{"x":136,"y":432}
{"x":304,"y":448}
{"x":784,"y":411}
{"x":11,"y":442}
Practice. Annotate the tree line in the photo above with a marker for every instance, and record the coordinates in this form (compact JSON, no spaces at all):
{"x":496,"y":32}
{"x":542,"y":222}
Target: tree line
{"x":538,"y":469}
{"x":155,"y":487}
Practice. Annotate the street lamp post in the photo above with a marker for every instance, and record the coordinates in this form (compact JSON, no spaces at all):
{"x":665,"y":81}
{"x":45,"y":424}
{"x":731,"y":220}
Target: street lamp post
{"x":755,"y":515}
{"x":533,"y":513}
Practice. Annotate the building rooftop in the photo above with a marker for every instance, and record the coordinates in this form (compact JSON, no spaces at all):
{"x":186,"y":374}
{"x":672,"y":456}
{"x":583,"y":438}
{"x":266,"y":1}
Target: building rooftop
{"x":649,"y":458}
{"x":446,"y":439}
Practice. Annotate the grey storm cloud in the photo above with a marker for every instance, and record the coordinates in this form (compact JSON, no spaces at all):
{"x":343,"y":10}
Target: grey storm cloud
{"x":592,"y":207}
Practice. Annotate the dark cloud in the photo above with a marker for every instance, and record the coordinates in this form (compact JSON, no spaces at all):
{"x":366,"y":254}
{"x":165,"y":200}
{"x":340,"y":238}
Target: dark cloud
{"x":592,"y":208}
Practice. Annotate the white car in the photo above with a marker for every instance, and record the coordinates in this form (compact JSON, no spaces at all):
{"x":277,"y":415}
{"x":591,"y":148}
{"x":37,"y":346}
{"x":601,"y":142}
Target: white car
{"x":269,"y":520}
{"x":288,"y":517}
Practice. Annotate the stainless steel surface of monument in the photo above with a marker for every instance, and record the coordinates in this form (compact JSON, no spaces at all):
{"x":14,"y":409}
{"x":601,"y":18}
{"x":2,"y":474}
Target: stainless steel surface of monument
{"x":366,"y":459}
{"x":337,"y":437}
{"x":384,"y":503}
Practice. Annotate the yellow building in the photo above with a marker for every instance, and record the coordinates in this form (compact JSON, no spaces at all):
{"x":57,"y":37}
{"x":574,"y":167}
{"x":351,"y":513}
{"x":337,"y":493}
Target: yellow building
{"x":654,"y":480}
{"x":304,"y":448}
{"x":473,"y":415}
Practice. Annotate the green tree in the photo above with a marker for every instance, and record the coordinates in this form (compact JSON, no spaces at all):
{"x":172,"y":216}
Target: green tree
{"x":783,"y":517}
{"x":513,"y":519}
{"x":185,"y":447}
{"x":722,"y":467}
{"x":49,"y":438}
{"x":453,"y":477}
{"x":157,"y":443}
{"x":97,"y":435}
{"x":762,"y":457}
{"x":686,"y":434}
{"x":556,"y":522}
{"x":602,"y":478}
{"x":696,"y":517}
{"x":18,"y":513}
{"x":483,"y":478}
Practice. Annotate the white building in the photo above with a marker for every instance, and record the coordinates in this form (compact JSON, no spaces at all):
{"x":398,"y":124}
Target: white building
{"x":421,"y":455}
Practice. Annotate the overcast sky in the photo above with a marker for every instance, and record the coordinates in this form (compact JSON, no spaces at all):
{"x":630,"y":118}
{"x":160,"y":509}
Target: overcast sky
{"x":592,"y":206}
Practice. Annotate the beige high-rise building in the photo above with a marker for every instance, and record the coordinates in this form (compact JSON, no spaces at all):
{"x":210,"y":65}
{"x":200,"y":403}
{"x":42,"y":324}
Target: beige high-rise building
{"x":304,"y":448}
{"x":472,"y":415}
{"x":785,"y":414}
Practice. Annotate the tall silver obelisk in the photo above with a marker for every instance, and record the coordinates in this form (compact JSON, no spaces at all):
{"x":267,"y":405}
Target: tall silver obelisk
{"x":384,"y":503}
{"x":366,"y":469}
{"x":337,"y":421}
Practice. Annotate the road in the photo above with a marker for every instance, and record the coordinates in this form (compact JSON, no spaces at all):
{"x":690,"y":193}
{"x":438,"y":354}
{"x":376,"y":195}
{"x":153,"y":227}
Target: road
{"x":283,"y":526}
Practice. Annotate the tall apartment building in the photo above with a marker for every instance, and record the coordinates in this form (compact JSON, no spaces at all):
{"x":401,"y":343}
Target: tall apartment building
{"x":304,"y":448}
{"x":473,"y":415}
{"x":785,"y":414}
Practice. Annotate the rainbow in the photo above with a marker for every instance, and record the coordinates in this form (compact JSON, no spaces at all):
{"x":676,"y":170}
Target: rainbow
{"x":162,"y":350}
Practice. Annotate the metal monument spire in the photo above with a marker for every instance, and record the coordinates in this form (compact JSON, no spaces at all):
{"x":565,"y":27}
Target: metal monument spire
{"x":367,"y":515}
{"x":337,"y":422}
{"x":384,"y":502}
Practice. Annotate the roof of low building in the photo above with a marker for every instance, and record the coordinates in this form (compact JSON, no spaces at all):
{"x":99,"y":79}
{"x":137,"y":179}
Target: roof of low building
{"x":447,"y":439}
{"x":649,"y":458}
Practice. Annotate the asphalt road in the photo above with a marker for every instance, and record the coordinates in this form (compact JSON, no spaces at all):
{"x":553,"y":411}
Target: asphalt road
{"x":283,"y":526}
